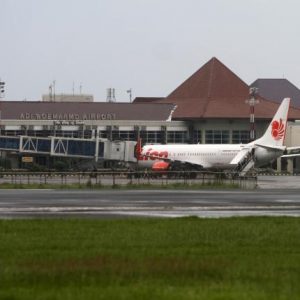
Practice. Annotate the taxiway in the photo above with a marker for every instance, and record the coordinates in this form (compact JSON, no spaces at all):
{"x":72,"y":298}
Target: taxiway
{"x":148,"y":203}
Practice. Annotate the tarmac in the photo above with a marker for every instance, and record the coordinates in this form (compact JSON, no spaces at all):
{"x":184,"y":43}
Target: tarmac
{"x":275,"y":196}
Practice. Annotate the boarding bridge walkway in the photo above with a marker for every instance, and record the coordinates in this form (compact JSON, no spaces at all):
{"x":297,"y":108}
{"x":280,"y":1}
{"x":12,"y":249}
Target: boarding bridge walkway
{"x":98,"y":149}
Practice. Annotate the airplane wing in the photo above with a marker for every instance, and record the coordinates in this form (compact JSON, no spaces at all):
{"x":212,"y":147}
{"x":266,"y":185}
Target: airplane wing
{"x":291,"y":155}
{"x":292,"y":152}
{"x":293,"y":149}
{"x":272,"y":147}
{"x":196,"y":162}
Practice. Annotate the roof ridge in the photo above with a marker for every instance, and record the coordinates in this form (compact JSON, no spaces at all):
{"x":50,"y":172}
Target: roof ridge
{"x":275,"y":102}
{"x":210,"y":83}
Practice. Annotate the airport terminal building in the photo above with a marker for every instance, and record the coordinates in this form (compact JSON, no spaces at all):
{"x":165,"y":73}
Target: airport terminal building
{"x":209,"y":107}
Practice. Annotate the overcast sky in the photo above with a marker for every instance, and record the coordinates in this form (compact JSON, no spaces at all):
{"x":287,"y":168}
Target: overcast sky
{"x":150,"y":46}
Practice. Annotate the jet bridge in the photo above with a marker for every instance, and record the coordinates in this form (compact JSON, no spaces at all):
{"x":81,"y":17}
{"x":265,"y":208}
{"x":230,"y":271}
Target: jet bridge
{"x":98,"y":149}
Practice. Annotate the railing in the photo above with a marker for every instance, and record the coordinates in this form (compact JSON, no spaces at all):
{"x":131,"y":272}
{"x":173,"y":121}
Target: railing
{"x":111,"y":178}
{"x":243,"y":164}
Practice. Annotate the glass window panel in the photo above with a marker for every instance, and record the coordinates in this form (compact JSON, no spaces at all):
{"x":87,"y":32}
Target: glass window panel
{"x":240,"y":136}
{"x":44,"y":145}
{"x":197,"y":136}
{"x":217,"y":136}
{"x":83,"y":148}
{"x":176,"y":137}
{"x":9,"y":143}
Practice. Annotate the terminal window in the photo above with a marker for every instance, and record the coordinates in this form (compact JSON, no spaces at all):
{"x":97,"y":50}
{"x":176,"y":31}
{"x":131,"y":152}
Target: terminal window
{"x":176,"y":137}
{"x":151,"y":137}
{"x":197,"y":137}
{"x":217,"y":136}
{"x":240,"y":136}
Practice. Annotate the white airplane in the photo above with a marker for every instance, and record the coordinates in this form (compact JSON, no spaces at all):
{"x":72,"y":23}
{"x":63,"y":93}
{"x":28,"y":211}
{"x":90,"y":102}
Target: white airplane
{"x":239,"y":157}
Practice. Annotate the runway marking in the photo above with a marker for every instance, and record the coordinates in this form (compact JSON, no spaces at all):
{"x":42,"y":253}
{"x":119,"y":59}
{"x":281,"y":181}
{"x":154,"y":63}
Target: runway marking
{"x":287,"y":200}
{"x":27,"y":190}
{"x":152,"y":214}
{"x":213,"y":214}
{"x":56,"y":209}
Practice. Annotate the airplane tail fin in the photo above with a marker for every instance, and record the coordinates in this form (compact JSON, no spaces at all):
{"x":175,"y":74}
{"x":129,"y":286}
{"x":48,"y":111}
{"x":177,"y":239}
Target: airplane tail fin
{"x":275,"y":134}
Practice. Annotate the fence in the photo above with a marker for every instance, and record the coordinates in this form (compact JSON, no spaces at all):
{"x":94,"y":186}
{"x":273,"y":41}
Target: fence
{"x":125,"y":178}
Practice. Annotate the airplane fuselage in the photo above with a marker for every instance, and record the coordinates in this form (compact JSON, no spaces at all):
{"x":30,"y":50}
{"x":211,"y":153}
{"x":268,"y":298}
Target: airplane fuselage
{"x":208,"y":156}
{"x":241,"y":157}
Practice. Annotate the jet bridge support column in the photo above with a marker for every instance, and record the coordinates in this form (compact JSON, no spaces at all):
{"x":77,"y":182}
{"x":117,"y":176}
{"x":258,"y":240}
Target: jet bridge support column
{"x":164,"y":135}
{"x":136,"y":132}
{"x":96,"y":148}
{"x":191,"y":138}
{"x":290,"y":165}
{"x":279,"y":164}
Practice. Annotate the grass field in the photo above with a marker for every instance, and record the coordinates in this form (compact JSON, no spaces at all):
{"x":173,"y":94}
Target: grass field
{"x":189,"y":258}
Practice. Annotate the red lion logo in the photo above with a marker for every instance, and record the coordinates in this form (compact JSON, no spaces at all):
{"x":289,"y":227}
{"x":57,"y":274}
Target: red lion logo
{"x":278,"y":129}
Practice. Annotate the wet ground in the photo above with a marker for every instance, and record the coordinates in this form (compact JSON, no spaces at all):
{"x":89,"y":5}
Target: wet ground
{"x":275,"y":196}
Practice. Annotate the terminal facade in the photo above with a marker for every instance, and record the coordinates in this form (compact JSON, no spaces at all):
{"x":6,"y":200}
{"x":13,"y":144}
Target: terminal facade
{"x":209,"y":107}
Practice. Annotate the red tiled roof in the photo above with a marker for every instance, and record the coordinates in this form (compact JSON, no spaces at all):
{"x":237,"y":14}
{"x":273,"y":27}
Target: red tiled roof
{"x":212,"y":80}
{"x":214,"y":91}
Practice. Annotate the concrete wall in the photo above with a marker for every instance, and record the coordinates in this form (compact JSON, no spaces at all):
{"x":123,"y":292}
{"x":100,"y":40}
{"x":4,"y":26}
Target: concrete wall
{"x":292,"y":138}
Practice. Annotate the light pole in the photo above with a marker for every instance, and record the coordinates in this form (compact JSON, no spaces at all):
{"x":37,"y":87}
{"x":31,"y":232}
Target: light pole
{"x":252,"y":102}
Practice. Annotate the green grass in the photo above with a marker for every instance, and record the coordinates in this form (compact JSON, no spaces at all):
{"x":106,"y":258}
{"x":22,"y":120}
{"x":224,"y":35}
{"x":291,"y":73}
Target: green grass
{"x":189,"y":258}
